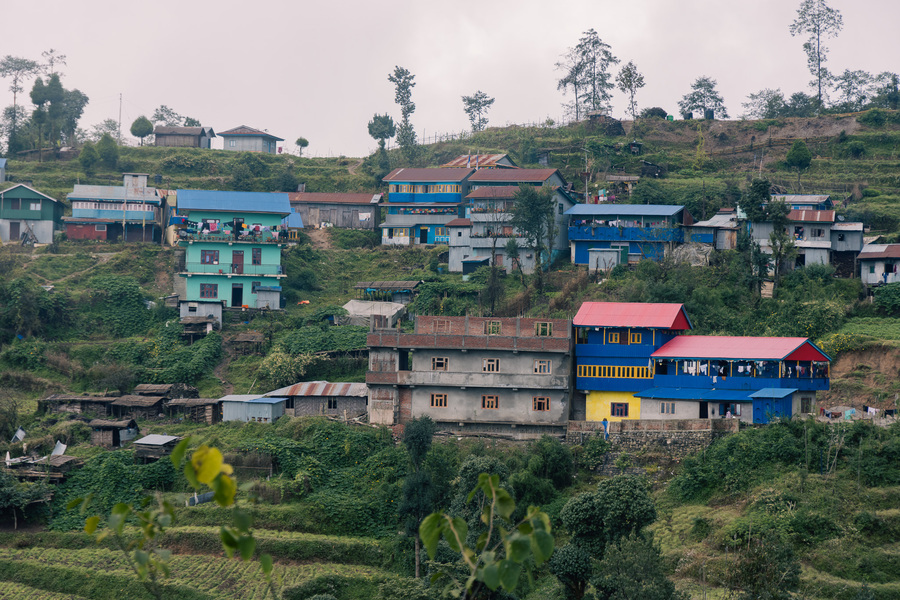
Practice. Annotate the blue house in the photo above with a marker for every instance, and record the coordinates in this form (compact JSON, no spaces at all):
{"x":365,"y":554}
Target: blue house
{"x":614,"y":342}
{"x":420,"y":204}
{"x":637,"y":231}
{"x":131,"y":212}
{"x":754,"y":379}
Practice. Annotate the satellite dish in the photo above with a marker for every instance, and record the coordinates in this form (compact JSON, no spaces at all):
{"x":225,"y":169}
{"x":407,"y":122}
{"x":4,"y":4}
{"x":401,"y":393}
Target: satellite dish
{"x":840,"y":217}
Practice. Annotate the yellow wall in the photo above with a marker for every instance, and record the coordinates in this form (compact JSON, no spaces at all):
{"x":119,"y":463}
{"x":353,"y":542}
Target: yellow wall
{"x":598,"y":405}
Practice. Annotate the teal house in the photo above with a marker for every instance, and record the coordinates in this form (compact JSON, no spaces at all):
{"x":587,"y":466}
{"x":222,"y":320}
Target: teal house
{"x":28,"y":215}
{"x":233,"y":243}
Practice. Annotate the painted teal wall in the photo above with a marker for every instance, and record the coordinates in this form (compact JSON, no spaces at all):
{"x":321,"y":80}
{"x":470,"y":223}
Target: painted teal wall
{"x":250,"y":218}
{"x":271,"y":257}
{"x":225,"y":287}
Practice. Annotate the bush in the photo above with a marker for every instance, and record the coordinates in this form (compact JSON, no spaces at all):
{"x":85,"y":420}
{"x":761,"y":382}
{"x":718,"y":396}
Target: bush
{"x":350,"y":239}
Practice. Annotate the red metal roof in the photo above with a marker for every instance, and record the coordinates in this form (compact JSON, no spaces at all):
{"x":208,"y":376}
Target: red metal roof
{"x":882,"y":251}
{"x":632,"y":314}
{"x":811,"y":216}
{"x":334,"y":198}
{"x":727,"y":347}
{"x":322,"y":388}
{"x":405,"y":175}
{"x":460,"y":223}
{"x":493,"y":191}
{"x":513,"y":175}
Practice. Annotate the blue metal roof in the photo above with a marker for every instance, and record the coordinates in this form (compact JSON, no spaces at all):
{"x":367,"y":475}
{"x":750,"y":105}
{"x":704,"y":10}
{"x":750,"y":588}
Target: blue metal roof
{"x":293,"y":220}
{"x":630,"y":210}
{"x":727,"y":395}
{"x":251,"y":202}
{"x":773,"y":393}
{"x":266,"y":401}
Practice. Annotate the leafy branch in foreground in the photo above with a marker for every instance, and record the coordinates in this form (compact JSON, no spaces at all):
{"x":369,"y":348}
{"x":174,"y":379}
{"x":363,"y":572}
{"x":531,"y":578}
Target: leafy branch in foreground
{"x":498,"y":560}
{"x":206,"y":469}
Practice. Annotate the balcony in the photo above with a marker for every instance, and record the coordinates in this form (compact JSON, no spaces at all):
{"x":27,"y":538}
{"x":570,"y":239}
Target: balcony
{"x":739,"y":382}
{"x":473,"y":380}
{"x":413,"y":220}
{"x":270,"y":269}
{"x":580,"y":233}
{"x":149,"y":215}
{"x":263,"y":237}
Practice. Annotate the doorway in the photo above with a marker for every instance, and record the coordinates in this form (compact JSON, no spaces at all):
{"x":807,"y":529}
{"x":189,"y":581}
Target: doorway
{"x":423,"y":235}
{"x":704,"y":410}
{"x":14,"y":231}
{"x":237,"y":261}
{"x":237,"y":294}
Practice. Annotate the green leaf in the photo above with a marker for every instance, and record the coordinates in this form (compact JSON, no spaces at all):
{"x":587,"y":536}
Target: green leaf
{"x":225,"y":490}
{"x":141,"y":557}
{"x":229,"y":542}
{"x":490,"y":575}
{"x":191,"y":476}
{"x":509,"y":574}
{"x":76,"y":503}
{"x":90,"y":525}
{"x":518,"y":547}
{"x":542,"y":546}
{"x":265,"y":561}
{"x":505,"y":504}
{"x":178,"y":453}
{"x":242,"y":520}
{"x":247,"y":546}
{"x":455,"y":532}
{"x":430,"y":533}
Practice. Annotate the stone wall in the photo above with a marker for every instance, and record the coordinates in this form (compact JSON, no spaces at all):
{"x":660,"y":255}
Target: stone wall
{"x":677,"y":437}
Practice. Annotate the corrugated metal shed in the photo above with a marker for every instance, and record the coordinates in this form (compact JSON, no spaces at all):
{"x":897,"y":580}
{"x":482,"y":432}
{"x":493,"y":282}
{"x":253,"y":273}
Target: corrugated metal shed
{"x":242,"y":202}
{"x":387,"y":286}
{"x":513,"y":175}
{"x":448,"y":175}
{"x":876,"y":251}
{"x":334,"y":198}
{"x":633,"y":314}
{"x":323,"y":388}
{"x":741,"y":348}
{"x":625,"y":210}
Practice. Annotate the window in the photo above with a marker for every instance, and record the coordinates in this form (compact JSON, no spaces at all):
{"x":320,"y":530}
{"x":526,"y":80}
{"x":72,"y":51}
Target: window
{"x":542,"y":367}
{"x":100,"y":227}
{"x":15,"y":204}
{"x":209,"y":257}
{"x":872,"y":269}
{"x":254,"y":285}
{"x":667,"y":408}
{"x":613,"y":337}
{"x":440,"y":326}
{"x":543,"y":328}
{"x":440,"y":231}
{"x":459,"y":234}
{"x":840,"y":237}
{"x":490,"y":402}
{"x":492,"y":328}
{"x":209,"y":290}
{"x":231,"y":143}
{"x":619,"y":409}
{"x":490,"y":365}
{"x":256,"y":256}
{"x":332,"y":404}
{"x":35,"y":206}
{"x":635,"y":338}
{"x":581,"y":335}
{"x":806,"y":404}
{"x":439,"y":400}
{"x":439,"y":363}
{"x":540,"y":403}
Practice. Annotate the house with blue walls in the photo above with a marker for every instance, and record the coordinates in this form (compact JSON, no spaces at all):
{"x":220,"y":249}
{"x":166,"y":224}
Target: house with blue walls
{"x":614,"y":343}
{"x":637,"y":231}
{"x":420,"y":204}
{"x":131,"y":212}
{"x":233,"y":243}
{"x":754,"y":379}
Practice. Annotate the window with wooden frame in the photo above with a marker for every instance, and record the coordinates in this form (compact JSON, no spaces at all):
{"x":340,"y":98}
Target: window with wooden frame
{"x":256,"y":254}
{"x":612,"y":337}
{"x":490,"y":365}
{"x":439,"y":363}
{"x":540,"y":403}
{"x":440,"y":326}
{"x":15,"y":204}
{"x":492,"y":328}
{"x":209,"y":257}
{"x":332,"y":404}
{"x":439,"y":400}
{"x":667,"y":408}
{"x":541,"y":367}
{"x":490,"y":401}
{"x":209,"y":290}
{"x":543,"y":329}
{"x":635,"y":338}
{"x":619,"y":409}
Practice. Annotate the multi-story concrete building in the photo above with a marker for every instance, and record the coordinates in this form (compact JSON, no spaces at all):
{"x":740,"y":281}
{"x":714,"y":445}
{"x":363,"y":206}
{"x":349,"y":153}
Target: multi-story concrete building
{"x":474,"y":374}
{"x":420,"y":204}
{"x":130,"y":212}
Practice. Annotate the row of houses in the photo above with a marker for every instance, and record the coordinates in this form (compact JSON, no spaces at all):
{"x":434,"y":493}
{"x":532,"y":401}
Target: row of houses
{"x":239,"y":139}
{"x":613,"y":362}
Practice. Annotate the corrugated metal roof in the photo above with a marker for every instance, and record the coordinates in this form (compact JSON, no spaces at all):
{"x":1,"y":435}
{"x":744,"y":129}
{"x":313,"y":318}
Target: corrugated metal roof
{"x":773,"y":393}
{"x":323,"y":388}
{"x":698,"y":394}
{"x":167,"y":130}
{"x":6,"y":193}
{"x":849,"y":226}
{"x":393,"y":286}
{"x":719,"y":220}
{"x":448,"y":175}
{"x":106,"y":424}
{"x":626,"y":210}
{"x":250,"y":202}
{"x":293,"y":220}
{"x":460,"y":223}
{"x":726,"y":347}
{"x":243,"y":130}
{"x":801,"y":198}
{"x":154,"y":439}
{"x":334,"y":198}
{"x":811,"y":216}
{"x":240,"y":397}
{"x":876,"y":251}
{"x":140,"y":401}
{"x":493,"y":191}
{"x":113,"y":192}
{"x":267,"y":400}
{"x":368,"y":308}
{"x":513,"y":175}
{"x":483,"y":161}
{"x":633,"y":314}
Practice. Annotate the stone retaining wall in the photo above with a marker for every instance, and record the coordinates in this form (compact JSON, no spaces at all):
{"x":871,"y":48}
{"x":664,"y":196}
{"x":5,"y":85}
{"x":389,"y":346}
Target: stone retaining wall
{"x":676,"y":438}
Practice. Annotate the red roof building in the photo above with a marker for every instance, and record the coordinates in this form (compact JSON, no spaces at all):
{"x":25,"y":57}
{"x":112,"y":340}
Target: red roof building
{"x":633,"y":314}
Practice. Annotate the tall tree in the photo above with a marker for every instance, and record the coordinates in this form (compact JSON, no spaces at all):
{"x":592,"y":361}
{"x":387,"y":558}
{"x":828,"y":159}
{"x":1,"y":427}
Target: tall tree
{"x":141,"y":128}
{"x":818,"y":22}
{"x":51,"y":59}
{"x":532,"y":216}
{"x":765,"y":104}
{"x":702,"y":97}
{"x":302,"y":143}
{"x":856,"y":88}
{"x":108,"y":151}
{"x":630,"y":81}
{"x":404,"y":82}
{"x":476,"y":107}
{"x":572,"y":65}
{"x":17,"y":70}
{"x":798,"y":157}
{"x":88,"y":158}
{"x":418,"y":490}
{"x":597,"y":59}
{"x":167,"y":116}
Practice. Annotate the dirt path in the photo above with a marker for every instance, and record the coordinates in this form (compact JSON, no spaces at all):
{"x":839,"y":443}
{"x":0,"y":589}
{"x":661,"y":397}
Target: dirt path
{"x":320,"y":239}
{"x":102,"y":258}
{"x":352,"y":168}
{"x":222,"y":368}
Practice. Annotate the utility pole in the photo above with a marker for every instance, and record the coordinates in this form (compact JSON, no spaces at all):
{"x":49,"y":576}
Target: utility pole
{"x":119,"y":132}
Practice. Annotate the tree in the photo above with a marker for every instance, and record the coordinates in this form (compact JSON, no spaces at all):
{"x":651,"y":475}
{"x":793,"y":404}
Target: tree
{"x":780,"y":240}
{"x":16,"y":495}
{"x":241,"y":178}
{"x":287,"y":181}
{"x":51,"y":58}
{"x":108,"y":151}
{"x":381,"y":127}
{"x":887,"y":94}
{"x":767,"y":568}
{"x":703,"y":97}
{"x":404,"y":82}
{"x":141,"y":128}
{"x":855,"y":88}
{"x":818,"y":22}
{"x":17,"y":70}
{"x":798,"y":157}
{"x":572,"y":65}
{"x":654,"y":112}
{"x":191,"y":122}
{"x":476,"y":107}
{"x":630,"y":81}
{"x":632,"y":568}
{"x":167,"y":117}
{"x":88,"y":158}
{"x":765,"y":104}
{"x":73,"y":107}
{"x":597,"y":59}
{"x":105,"y":127}
{"x":302,"y":143}
{"x":573,"y":567}
{"x":512,"y":251}
{"x":418,"y":492}
{"x":801,"y":105}
{"x":532,"y":216}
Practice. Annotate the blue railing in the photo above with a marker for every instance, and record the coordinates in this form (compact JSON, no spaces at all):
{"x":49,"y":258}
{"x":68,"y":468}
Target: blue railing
{"x":621,"y":234}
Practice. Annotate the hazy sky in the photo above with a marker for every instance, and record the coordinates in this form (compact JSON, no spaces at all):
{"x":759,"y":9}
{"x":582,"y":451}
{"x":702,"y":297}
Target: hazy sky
{"x":318,"y":69}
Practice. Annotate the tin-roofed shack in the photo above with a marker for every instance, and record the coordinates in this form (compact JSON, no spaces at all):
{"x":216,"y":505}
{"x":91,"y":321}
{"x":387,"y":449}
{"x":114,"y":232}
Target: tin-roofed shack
{"x":402,"y":292}
{"x":148,"y":407}
{"x":200,"y":410}
{"x":64,"y":403}
{"x":324,"y":398}
{"x":169,"y":390}
{"x":250,"y":407}
{"x":153,"y":447}
{"x":52,"y":468}
{"x":112,"y":434}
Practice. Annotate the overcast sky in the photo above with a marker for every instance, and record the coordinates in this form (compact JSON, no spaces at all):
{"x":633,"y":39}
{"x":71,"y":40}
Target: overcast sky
{"x":318,"y":69}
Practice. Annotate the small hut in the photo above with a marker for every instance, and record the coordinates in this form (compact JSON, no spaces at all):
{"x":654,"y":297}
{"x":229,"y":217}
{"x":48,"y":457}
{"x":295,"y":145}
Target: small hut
{"x":64,"y":403}
{"x":153,"y":447}
{"x":248,"y":342}
{"x":248,"y":407}
{"x":324,"y":398}
{"x":112,"y":434}
{"x":169,"y":390}
{"x":200,"y":410}
{"x":147,"y":407}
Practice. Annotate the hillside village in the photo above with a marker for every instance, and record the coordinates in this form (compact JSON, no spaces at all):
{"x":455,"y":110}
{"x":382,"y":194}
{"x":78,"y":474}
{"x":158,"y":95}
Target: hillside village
{"x":649,"y":381}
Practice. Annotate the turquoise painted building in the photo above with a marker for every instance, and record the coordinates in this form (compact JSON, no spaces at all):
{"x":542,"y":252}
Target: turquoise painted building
{"x":233,"y":243}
